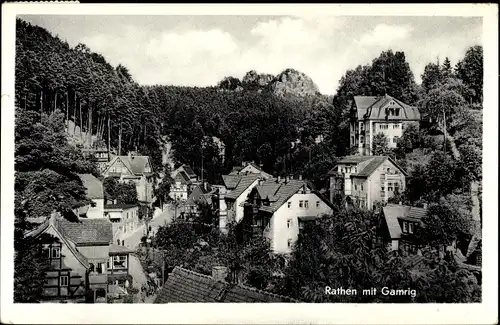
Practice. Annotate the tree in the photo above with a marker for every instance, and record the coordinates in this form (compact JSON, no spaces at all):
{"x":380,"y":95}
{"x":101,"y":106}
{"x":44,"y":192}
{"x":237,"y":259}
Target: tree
{"x":443,"y":176}
{"x":446,"y":69}
{"x":431,"y":77}
{"x":123,"y":193}
{"x":46,"y":181}
{"x":446,"y":220}
{"x":380,"y":145}
{"x":470,"y":71}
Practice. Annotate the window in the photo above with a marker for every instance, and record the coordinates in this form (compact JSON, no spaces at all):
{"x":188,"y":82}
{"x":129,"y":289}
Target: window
{"x":289,"y":223}
{"x":410,"y":228}
{"x":389,"y":187}
{"x":361,"y":186}
{"x":395,"y":126}
{"x":46,"y":251}
{"x":120,"y":262}
{"x":382,"y":188}
{"x":301,"y":204}
{"x":361,"y":139}
{"x":108,"y":265}
{"x":397,"y":113}
{"x":63,"y":281}
{"x":405,"y":226}
{"x":306,"y":204}
{"x":56,"y":252}
{"x":395,"y":139}
{"x":289,"y":205}
{"x":289,"y":243}
{"x":383,"y":126}
{"x":355,"y":187}
{"x":396,"y":186}
{"x":317,"y":204}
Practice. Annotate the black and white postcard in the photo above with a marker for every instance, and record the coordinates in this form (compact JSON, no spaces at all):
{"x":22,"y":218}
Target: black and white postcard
{"x":249,"y":163}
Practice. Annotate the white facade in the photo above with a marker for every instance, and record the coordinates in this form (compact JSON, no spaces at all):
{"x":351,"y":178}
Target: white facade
{"x":284,"y":225}
{"x":97,"y":211}
{"x":235,"y":207}
{"x":125,"y":221}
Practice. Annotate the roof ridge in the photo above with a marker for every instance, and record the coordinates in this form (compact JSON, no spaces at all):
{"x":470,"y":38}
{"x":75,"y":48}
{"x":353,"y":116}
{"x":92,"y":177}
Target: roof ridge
{"x":228,"y":284}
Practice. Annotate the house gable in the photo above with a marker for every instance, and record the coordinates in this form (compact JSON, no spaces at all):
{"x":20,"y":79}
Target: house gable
{"x":118,"y":166}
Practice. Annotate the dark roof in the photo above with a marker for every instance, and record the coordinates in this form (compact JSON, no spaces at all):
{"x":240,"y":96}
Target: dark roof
{"x":393,"y":212}
{"x":136,"y":164}
{"x":199,"y":195}
{"x":189,"y":171}
{"x":230,"y":181}
{"x":93,"y":186}
{"x":117,"y":249}
{"x":284,"y":192}
{"x":362,"y":103}
{"x":120,"y":206}
{"x":187,"y":286}
{"x":372,"y":166}
{"x":56,"y":222}
{"x":374,"y":163}
{"x":244,"y":182}
{"x":371,"y":107}
{"x":87,"y":231}
{"x":268,"y":189}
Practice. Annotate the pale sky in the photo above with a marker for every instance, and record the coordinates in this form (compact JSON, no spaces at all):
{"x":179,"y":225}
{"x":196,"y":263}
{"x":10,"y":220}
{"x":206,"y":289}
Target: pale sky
{"x":201,"y":50}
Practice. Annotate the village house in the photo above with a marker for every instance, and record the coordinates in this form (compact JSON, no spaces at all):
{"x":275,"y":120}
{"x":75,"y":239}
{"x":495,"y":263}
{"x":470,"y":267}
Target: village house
{"x":279,"y":208}
{"x":371,"y":115}
{"x":231,"y":183}
{"x":249,"y":167}
{"x":201,"y":195}
{"x":77,"y":253}
{"x":101,"y":155}
{"x":135,"y":170}
{"x":239,"y":186}
{"x":125,"y":220}
{"x":94,"y":191}
{"x":398,"y":224}
{"x":367,"y":179}
{"x":186,"y":286}
{"x":118,"y":263}
{"x":184,"y":181}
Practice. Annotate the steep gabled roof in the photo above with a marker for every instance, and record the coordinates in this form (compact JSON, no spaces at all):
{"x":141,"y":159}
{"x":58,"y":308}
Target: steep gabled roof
{"x":375,"y":110}
{"x":373,"y":164}
{"x":268,"y":189}
{"x":393,"y":212}
{"x":284,"y":192}
{"x":189,"y":171}
{"x":87,"y":231}
{"x":231,"y":181}
{"x":243,"y":184}
{"x":362,"y":103}
{"x":187,"y":286}
{"x":137,"y":164}
{"x":93,"y":186}
{"x":55,"y":222}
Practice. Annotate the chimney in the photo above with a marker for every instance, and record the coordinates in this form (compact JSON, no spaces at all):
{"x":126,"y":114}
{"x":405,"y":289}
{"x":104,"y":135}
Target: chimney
{"x":129,"y":155}
{"x":400,"y":203}
{"x":279,"y":179}
{"x":425,"y":205}
{"x":114,"y":201}
{"x":219,"y":273}
{"x":205,"y":185}
{"x":300,"y":177}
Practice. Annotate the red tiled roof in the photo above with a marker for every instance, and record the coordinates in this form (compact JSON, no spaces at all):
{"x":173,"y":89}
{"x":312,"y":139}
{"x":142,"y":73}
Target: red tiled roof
{"x":187,"y":286}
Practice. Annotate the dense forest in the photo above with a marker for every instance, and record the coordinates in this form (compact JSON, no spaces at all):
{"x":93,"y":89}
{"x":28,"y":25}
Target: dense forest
{"x":258,"y":118}
{"x":254,"y":120}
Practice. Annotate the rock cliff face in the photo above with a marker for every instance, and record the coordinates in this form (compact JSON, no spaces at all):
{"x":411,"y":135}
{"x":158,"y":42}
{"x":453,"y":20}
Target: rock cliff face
{"x":293,"y":82}
{"x":289,"y":82}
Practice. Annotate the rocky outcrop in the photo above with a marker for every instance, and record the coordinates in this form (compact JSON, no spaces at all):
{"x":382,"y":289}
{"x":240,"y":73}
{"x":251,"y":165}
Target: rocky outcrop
{"x":288,"y":83}
{"x":293,"y":82}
